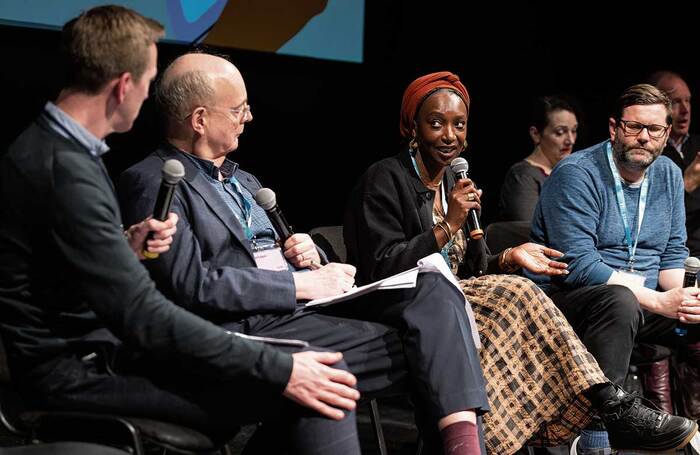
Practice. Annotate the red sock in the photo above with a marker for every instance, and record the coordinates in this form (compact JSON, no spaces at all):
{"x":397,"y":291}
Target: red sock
{"x":461,"y":438}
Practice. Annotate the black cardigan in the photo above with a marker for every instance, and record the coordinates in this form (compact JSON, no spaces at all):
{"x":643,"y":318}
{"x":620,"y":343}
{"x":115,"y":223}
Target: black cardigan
{"x":388,"y":223}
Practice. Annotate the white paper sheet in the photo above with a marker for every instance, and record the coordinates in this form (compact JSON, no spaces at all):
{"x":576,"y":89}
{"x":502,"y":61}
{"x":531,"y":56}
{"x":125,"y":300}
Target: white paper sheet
{"x":401,"y":280}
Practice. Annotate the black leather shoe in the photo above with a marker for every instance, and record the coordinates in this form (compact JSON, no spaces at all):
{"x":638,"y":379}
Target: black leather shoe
{"x":633,"y":426}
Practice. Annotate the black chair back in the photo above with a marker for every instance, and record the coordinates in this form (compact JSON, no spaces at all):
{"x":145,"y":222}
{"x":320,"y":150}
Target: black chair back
{"x":507,"y":234}
{"x":330,"y":239}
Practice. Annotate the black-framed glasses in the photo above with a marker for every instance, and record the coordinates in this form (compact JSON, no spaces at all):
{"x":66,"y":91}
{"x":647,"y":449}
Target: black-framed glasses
{"x":632,"y":128}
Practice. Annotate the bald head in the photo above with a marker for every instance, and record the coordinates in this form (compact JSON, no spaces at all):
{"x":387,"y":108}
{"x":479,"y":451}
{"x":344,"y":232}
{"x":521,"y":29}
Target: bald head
{"x":678,"y":92}
{"x":211,"y":65}
{"x":194,"y":80}
{"x":669,"y":82}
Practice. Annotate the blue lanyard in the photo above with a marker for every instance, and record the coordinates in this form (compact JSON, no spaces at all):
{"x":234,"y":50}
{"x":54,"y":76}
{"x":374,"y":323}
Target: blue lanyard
{"x":620,"y":196}
{"x":246,"y":208}
{"x":445,"y":249}
{"x":442,"y":187}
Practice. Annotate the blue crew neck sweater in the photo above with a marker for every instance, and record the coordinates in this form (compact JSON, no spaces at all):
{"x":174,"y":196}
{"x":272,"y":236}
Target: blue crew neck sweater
{"x":578,"y":214}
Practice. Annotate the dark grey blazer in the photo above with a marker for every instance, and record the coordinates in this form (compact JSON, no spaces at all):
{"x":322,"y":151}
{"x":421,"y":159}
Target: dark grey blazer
{"x":692,"y":200}
{"x":210,"y":269}
{"x":67,"y":272}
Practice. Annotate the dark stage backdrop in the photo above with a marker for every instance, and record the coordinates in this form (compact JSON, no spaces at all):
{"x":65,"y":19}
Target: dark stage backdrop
{"x":318,"y":124}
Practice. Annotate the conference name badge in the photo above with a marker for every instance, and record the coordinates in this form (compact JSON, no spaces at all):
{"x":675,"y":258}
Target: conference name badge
{"x":632,"y":276}
{"x":269,"y":257}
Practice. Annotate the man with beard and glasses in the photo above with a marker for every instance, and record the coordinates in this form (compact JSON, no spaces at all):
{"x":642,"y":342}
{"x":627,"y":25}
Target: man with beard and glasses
{"x":617,"y":211}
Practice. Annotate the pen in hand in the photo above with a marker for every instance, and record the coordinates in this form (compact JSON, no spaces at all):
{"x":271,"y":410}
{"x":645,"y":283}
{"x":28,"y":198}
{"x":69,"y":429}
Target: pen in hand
{"x":315,"y":266}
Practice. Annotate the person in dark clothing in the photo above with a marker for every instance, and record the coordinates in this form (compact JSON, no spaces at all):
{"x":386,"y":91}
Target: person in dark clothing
{"x":536,"y":368}
{"x":553,"y":130}
{"x":84,"y":326}
{"x":222,"y":267}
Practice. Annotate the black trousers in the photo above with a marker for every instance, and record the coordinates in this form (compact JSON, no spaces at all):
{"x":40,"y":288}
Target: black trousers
{"x":609,"y":320}
{"x":424,"y":341}
{"x":419,"y":336}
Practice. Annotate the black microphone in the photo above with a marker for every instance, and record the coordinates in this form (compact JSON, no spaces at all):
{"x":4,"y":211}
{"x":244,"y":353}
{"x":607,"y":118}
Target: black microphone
{"x":266,"y":199}
{"x":173,"y":172}
{"x":692,"y":267}
{"x":461,"y":169}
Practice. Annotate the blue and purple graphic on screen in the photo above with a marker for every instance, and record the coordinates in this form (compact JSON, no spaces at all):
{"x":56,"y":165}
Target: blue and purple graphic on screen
{"x":328,"y":29}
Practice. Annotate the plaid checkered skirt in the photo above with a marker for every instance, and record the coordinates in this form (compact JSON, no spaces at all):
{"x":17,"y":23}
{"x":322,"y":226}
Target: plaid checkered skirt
{"x":535,"y":366}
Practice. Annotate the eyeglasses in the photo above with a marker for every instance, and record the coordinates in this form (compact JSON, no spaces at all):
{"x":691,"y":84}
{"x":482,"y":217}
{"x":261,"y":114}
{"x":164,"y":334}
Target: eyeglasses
{"x":632,"y":128}
{"x":239,"y":113}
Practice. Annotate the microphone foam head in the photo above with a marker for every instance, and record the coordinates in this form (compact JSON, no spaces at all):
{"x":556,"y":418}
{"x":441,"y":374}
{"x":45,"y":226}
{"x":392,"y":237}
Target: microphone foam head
{"x":692,"y":264}
{"x":459,"y":164}
{"x":266,"y":198}
{"x":173,"y":171}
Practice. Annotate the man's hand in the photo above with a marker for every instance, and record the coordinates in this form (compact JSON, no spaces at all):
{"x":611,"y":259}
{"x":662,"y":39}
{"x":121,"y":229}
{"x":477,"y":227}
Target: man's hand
{"x":331,"y":279}
{"x":301,"y":251}
{"x":163,"y":232}
{"x":679,"y":302}
{"x":316,"y":385}
{"x":537,"y":259}
{"x":689,"y":310}
{"x":691,"y":175}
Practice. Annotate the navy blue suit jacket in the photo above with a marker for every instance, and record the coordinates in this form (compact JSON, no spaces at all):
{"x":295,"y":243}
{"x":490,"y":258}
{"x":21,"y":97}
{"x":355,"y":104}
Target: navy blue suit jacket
{"x":210,"y":268}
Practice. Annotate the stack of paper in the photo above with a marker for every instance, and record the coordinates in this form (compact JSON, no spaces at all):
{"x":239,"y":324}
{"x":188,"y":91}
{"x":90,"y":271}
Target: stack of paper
{"x":429,"y":264}
{"x":403,"y":280}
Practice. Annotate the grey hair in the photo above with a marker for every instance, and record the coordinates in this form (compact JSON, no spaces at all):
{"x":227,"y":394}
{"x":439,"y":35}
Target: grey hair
{"x":178,"y":96}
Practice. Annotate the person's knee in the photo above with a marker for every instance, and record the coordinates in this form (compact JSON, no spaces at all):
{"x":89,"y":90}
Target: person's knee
{"x":621,"y":305}
{"x":526,"y":285}
{"x":340,"y":365}
{"x":438,"y":288}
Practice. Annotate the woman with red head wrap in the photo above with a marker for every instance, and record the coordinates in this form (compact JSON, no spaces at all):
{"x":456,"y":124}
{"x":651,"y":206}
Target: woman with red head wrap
{"x":541,"y":380}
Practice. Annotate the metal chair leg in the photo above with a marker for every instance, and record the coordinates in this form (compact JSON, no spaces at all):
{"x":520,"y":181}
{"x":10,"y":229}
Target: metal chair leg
{"x":377,"y":425}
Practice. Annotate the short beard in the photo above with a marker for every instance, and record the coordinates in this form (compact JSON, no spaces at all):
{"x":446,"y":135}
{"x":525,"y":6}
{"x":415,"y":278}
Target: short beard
{"x":623,"y":157}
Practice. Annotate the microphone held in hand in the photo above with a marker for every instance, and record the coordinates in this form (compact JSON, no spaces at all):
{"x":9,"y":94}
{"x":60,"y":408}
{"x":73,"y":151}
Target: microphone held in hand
{"x":173,"y":172}
{"x":266,"y":199}
{"x":692,"y":267}
{"x":461,"y":169}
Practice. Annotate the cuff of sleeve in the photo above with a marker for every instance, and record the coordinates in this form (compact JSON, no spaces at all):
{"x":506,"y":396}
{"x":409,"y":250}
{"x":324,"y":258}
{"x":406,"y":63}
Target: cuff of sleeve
{"x":600,"y":274}
{"x":276,"y":367}
{"x":492,"y":264}
{"x":671,"y":265}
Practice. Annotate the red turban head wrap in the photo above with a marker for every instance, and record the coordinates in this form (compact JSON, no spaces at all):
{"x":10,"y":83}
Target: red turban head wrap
{"x":418,"y":90}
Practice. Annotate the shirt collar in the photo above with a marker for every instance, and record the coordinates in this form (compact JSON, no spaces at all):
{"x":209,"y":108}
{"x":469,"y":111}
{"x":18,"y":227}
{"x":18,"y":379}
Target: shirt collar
{"x":67,"y":127}
{"x":227,"y":169}
{"x":679,"y":145}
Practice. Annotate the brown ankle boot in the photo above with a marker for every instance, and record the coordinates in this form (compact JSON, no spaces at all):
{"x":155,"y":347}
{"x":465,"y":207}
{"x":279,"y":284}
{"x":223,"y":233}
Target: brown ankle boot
{"x":688,"y":371}
{"x":656,"y":380}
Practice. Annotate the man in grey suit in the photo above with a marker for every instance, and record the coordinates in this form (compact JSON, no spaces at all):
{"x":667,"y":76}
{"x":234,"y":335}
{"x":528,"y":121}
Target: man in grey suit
{"x":223,"y":264}
{"x":84,"y":326}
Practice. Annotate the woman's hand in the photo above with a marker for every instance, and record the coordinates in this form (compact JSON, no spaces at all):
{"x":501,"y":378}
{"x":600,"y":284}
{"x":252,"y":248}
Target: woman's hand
{"x":463,"y":197}
{"x":536,"y":259}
